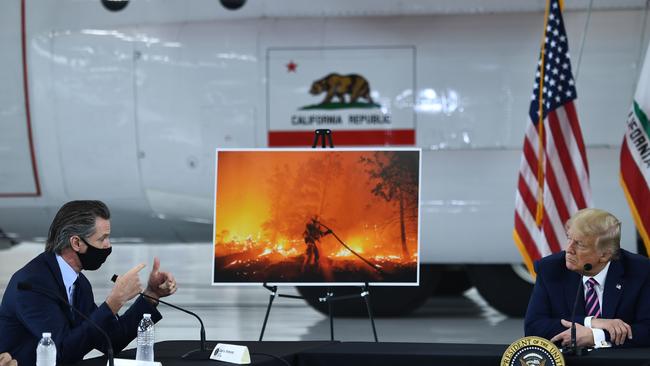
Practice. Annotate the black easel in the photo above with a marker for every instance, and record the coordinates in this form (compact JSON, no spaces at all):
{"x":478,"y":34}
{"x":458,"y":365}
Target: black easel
{"x":272,"y":296}
{"x":365,"y":295}
{"x":323,"y":134}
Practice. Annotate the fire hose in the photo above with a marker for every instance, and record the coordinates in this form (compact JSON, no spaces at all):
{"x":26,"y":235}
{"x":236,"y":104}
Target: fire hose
{"x":374,"y":266}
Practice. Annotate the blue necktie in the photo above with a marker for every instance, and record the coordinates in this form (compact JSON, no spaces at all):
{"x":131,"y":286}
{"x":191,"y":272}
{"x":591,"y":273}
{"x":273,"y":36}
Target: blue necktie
{"x":75,"y":298}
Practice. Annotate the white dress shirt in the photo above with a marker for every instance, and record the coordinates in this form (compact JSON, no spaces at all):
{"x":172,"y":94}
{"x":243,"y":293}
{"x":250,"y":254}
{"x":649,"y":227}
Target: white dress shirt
{"x":599,"y":334}
{"x":69,"y":276}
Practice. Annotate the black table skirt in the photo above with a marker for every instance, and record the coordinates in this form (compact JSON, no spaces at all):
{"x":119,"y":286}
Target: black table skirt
{"x":325,"y":353}
{"x":443,"y":354}
{"x":169,"y":352}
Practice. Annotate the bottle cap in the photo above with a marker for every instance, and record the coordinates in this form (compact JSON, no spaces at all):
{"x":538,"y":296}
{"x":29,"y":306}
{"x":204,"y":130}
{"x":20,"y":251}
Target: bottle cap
{"x":47,"y":335}
{"x":147,"y":315}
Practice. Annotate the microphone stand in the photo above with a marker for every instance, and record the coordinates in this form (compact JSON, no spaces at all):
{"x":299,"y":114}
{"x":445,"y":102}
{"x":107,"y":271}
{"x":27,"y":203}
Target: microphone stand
{"x":197,"y":354}
{"x":574,"y":350}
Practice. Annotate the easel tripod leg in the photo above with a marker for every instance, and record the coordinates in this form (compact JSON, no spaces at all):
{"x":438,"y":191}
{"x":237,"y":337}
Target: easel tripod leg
{"x":372,"y":319}
{"x":329,"y":308}
{"x":316,"y":136}
{"x":268,"y":310}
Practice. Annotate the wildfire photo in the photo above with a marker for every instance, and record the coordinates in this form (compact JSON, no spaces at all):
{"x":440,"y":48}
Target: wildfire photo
{"x":316,"y":216}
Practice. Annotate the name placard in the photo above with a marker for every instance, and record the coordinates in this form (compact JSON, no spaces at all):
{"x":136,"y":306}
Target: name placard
{"x":231,"y":353}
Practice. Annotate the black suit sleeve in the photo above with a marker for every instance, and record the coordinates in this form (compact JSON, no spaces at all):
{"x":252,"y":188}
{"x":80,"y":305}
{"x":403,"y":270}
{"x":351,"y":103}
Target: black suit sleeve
{"x":42,"y":314}
{"x":641,"y":323}
{"x":540,"y":320}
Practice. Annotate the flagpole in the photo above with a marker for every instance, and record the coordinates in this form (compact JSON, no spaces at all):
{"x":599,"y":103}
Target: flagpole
{"x":642,"y":44}
{"x":584,"y":38}
{"x":642,"y":239}
{"x":539,"y":215}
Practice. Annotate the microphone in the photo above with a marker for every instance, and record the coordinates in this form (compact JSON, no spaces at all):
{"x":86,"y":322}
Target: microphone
{"x":197,"y":354}
{"x":26,"y":286}
{"x":574,"y":349}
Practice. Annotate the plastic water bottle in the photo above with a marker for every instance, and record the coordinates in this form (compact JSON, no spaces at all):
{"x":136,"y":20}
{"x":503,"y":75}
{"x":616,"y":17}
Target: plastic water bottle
{"x":46,"y":351}
{"x":145,"y":339}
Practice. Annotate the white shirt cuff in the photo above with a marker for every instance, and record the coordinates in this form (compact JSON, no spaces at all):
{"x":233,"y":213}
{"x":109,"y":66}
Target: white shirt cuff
{"x":599,"y":337}
{"x":588,"y":321}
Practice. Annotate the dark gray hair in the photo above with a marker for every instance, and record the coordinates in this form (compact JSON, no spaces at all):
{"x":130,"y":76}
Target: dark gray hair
{"x":74,"y":218}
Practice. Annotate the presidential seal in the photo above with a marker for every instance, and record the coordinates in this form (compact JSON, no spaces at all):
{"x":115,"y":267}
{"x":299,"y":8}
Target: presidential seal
{"x":532,"y":351}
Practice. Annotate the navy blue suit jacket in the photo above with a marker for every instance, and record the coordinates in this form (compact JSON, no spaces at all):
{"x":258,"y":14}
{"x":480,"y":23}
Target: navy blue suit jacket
{"x":626,"y":296}
{"x":25,"y":315}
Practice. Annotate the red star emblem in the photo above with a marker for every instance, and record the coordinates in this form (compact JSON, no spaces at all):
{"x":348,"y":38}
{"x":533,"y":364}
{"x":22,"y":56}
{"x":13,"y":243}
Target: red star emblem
{"x":291,"y":66}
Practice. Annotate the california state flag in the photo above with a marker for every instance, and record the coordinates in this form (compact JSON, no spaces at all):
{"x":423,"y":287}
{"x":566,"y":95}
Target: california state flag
{"x":635,"y":156}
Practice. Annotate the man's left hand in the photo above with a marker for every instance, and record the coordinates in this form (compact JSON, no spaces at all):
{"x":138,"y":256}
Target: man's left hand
{"x":584,"y":335}
{"x":161,"y":284}
{"x":618,"y":330}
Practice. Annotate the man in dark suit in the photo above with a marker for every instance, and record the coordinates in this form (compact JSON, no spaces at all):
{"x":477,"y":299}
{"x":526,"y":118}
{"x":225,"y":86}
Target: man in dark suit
{"x":78,"y":240}
{"x":614,"y":305}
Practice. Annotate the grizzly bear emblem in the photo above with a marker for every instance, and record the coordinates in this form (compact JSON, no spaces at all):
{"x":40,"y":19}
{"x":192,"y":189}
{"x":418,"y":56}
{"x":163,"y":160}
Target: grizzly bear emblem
{"x":335,"y":85}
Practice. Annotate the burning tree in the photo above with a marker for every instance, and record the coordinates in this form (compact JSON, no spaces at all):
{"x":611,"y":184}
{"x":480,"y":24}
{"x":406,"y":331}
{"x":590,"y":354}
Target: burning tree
{"x":396,"y":174}
{"x":298,"y":193}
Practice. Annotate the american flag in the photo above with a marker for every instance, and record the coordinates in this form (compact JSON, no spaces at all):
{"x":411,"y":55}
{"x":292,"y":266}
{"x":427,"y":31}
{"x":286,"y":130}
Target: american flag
{"x":554,"y":175}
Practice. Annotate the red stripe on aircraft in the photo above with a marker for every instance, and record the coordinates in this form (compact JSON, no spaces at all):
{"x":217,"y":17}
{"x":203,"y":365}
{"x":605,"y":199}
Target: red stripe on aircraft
{"x":343,"y":138}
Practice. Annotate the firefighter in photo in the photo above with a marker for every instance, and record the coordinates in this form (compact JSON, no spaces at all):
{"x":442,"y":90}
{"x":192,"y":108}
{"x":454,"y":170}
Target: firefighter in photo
{"x":312,"y":235}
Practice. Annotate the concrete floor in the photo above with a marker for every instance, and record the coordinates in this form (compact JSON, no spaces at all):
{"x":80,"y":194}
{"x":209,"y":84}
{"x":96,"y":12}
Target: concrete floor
{"x":237,"y":312}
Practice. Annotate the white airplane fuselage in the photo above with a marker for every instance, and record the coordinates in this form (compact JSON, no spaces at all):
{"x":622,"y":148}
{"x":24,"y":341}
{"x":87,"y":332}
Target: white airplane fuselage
{"x":129,"y":107}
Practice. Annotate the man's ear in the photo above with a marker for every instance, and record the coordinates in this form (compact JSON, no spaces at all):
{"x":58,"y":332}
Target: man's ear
{"x":75,"y":243}
{"x":605,"y":256}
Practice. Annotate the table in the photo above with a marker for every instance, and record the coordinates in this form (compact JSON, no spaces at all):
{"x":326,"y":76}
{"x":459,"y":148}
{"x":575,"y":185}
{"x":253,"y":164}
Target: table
{"x":169,"y":352}
{"x":443,"y":354}
{"x":326,"y":353}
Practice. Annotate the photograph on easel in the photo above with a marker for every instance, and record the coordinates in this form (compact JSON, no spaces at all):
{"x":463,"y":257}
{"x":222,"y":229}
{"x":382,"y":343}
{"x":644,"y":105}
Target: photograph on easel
{"x":316,"y":216}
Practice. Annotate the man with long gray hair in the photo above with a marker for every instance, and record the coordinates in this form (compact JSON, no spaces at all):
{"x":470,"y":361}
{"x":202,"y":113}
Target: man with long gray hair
{"x":33,"y":302}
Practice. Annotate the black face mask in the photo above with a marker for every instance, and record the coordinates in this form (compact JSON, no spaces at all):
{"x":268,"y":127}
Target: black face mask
{"x":94,"y":257}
